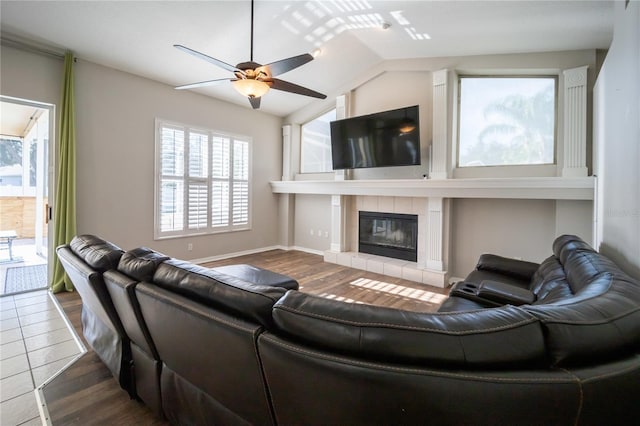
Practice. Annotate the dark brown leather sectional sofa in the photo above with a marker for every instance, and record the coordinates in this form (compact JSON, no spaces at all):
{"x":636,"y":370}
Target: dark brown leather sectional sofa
{"x":515,"y":343}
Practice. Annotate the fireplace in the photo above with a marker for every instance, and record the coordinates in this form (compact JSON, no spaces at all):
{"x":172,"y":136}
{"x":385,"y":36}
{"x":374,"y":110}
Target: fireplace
{"x":388,"y":234}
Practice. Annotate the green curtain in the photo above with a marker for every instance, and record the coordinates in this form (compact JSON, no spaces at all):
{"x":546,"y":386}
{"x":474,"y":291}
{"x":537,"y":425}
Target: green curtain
{"x":64,"y":208}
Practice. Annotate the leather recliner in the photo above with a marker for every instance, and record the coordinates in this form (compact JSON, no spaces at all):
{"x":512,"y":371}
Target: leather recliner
{"x":85,"y":260}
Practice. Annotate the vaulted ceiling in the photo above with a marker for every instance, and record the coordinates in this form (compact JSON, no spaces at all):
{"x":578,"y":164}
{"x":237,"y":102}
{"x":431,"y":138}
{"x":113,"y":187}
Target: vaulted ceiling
{"x":138,"y":36}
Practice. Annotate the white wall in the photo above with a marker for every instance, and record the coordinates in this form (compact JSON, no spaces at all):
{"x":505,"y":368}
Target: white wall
{"x":617,"y":139}
{"x":513,"y":228}
{"x":310,"y":228}
{"x":29,"y":76}
{"x":115,"y":114}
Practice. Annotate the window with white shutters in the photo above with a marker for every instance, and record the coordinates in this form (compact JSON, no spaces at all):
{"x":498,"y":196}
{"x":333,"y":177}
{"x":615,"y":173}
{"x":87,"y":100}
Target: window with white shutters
{"x":202,"y":181}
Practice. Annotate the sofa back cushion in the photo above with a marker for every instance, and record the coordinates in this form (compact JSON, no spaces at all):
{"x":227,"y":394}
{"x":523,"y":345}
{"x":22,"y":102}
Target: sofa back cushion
{"x":215,"y":289}
{"x":141,"y":263}
{"x":99,"y":254}
{"x":601,"y":320}
{"x":549,"y":283}
{"x":211,"y":372}
{"x":500,"y":336}
{"x":564,"y":245}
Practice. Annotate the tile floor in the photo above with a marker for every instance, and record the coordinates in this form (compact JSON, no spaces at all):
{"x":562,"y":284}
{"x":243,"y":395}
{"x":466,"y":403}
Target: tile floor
{"x":24,"y":251}
{"x":36,"y":343}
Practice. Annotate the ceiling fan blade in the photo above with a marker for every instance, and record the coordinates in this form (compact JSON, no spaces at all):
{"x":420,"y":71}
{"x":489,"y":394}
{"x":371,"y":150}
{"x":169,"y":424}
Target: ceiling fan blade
{"x":255,"y":102}
{"x":204,"y":83}
{"x":284,"y":65}
{"x":285,"y":86}
{"x":207,"y":58}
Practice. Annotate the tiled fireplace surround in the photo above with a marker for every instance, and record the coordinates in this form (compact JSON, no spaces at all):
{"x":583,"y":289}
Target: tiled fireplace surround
{"x":430,"y":267}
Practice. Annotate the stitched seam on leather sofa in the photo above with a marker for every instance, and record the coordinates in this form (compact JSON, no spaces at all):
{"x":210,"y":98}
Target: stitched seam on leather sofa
{"x":167,"y":300}
{"x":611,"y":374}
{"x":408,"y":327}
{"x":425,"y":372}
{"x":603,"y":321}
{"x":581,"y":392}
{"x":232,"y":286}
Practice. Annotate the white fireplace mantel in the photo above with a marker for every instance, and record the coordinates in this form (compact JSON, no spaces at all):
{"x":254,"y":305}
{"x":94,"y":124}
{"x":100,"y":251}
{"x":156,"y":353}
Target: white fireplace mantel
{"x":540,"y":188}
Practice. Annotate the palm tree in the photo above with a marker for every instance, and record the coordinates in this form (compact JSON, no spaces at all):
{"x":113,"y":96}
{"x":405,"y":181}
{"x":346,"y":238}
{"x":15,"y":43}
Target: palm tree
{"x":521,"y":131}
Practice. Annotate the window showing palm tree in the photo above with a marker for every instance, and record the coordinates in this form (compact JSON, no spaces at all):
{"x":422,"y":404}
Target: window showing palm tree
{"x":507,"y":121}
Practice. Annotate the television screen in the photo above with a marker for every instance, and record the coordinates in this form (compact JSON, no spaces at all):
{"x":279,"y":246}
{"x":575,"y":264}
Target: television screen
{"x":389,"y":138}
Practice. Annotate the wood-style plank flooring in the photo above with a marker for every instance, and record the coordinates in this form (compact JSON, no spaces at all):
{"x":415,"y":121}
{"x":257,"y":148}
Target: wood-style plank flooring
{"x":87,"y":394}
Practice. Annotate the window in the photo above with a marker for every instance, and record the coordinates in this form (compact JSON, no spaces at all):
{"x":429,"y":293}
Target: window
{"x":506,"y":121}
{"x":315,"y":148}
{"x":202,"y":181}
{"x":19,"y":157}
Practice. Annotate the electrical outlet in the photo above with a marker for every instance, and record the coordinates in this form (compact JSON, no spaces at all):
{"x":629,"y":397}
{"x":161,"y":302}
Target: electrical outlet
{"x":311,"y":232}
{"x":326,"y":234}
{"x":319,"y":233}
{"x":189,"y":247}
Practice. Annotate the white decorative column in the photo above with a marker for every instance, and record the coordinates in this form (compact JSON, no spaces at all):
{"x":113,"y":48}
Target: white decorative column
{"x":286,"y":202}
{"x":286,"y":153}
{"x":575,"y":122}
{"x":439,"y":166}
{"x":339,"y":211}
{"x":342,"y":112}
{"x":339,"y":203}
{"x":435,"y":230}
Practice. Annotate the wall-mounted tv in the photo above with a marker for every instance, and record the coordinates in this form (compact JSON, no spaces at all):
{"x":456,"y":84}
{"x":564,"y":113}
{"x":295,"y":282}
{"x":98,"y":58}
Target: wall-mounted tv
{"x":384,"y":139}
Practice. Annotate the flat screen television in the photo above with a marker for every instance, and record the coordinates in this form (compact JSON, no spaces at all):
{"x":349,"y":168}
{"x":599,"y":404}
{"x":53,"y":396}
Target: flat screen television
{"x":383,"y":139}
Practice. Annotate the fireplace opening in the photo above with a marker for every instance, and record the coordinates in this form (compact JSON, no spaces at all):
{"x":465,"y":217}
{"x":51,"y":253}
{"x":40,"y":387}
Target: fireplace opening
{"x":388,"y":234}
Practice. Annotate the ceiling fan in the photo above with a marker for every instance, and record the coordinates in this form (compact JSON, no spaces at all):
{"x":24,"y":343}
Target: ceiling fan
{"x":253,"y":80}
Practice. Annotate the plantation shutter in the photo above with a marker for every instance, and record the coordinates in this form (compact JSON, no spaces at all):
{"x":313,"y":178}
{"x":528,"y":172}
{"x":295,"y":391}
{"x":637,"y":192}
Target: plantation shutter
{"x":198,"y":200}
{"x":220,"y":181}
{"x":202,"y":181}
{"x":240,"y":182}
{"x":171,"y":179}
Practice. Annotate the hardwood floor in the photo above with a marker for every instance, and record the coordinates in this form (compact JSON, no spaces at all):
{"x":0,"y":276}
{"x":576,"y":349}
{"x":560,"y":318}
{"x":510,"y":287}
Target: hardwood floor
{"x":87,"y":394}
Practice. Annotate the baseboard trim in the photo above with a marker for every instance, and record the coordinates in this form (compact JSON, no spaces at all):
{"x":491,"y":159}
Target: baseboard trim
{"x":236,"y":254}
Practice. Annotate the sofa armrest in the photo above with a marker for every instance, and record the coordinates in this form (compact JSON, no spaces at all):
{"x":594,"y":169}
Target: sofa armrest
{"x":504,"y":293}
{"x":507,"y":266}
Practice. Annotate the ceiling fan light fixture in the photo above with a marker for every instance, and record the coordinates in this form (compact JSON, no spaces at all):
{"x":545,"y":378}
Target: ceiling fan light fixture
{"x":407,"y":125}
{"x":251,"y":88}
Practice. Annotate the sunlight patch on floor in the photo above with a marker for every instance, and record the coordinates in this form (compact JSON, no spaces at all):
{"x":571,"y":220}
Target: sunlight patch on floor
{"x":400,"y":290}
{"x":338,"y":298}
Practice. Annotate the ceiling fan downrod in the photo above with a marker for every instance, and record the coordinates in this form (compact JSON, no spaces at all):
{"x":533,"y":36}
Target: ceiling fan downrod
{"x":251,"y":48}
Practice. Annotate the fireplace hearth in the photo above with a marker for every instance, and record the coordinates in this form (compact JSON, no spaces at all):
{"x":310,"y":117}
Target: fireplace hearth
{"x":388,"y":234}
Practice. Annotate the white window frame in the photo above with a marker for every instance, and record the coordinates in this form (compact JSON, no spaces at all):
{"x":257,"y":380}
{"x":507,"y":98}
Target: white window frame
{"x":302,"y":146}
{"x":208,"y":180}
{"x":541,"y":169}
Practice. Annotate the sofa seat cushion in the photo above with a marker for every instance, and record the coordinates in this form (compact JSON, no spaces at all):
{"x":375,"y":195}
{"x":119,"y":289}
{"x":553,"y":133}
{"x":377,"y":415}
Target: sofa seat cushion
{"x":222,"y":291}
{"x":487,"y":337}
{"x":260,"y":276}
{"x":101,"y":255}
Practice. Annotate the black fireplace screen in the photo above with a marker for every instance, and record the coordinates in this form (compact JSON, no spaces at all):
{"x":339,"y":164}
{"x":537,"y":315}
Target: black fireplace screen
{"x":389,"y":234}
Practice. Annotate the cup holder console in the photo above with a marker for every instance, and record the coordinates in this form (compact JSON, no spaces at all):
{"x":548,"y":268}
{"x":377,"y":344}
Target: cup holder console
{"x":470,"y":291}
